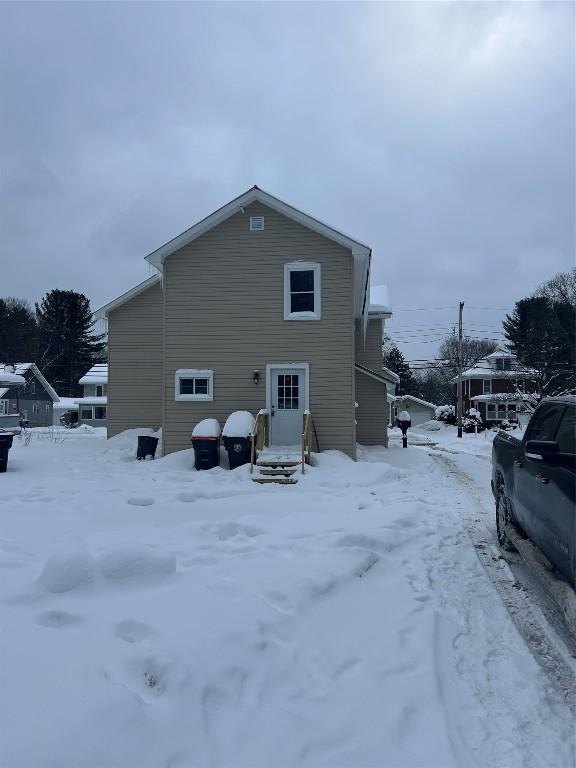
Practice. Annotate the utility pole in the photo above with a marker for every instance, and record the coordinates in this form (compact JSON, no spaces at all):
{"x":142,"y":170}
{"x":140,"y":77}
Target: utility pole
{"x":459,"y":404}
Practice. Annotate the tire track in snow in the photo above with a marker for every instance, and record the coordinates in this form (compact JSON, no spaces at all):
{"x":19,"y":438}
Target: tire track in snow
{"x":550,"y":645}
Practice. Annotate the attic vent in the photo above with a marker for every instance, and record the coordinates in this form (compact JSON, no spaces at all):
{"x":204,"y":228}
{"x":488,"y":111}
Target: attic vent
{"x":256,"y":223}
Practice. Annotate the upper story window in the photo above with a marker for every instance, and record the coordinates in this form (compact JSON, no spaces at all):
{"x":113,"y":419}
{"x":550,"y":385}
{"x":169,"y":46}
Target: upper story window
{"x":302,"y":291}
{"x":503,"y":363}
{"x":101,"y":390}
{"x":33,"y":387}
{"x":487,"y":386}
{"x":192,"y":384}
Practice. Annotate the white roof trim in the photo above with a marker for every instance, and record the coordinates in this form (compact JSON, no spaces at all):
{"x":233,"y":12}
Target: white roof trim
{"x":372,"y":374}
{"x":360,"y":252}
{"x":103,"y":311}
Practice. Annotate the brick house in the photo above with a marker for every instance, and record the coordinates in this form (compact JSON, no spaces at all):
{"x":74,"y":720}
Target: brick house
{"x":495,"y":386}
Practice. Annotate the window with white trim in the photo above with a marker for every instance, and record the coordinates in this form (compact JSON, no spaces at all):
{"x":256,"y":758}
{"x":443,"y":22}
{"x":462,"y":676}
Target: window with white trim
{"x":99,"y":390}
{"x":86,"y":412}
{"x":99,"y":412}
{"x":486,"y":386}
{"x":194,"y":384}
{"x":4,"y":407}
{"x":501,"y":411}
{"x":302,"y":291}
{"x":33,"y":387}
{"x":35,"y":408}
{"x":47,"y":407}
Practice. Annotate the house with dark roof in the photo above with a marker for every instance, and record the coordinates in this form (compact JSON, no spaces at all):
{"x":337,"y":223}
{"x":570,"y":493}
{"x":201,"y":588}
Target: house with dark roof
{"x":34,"y":401}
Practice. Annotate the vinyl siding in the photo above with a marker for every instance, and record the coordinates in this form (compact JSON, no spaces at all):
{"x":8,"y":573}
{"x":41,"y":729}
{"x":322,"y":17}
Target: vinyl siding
{"x":371,"y":395}
{"x":135,"y":362}
{"x":224,"y":311}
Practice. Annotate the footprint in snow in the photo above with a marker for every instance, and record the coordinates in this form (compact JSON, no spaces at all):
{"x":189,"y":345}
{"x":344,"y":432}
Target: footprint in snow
{"x":140,"y":501}
{"x":59,"y":619}
{"x":132,"y":631}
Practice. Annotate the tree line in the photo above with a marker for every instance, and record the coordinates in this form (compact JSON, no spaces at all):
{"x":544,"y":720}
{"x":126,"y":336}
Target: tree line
{"x":57,"y":334}
{"x":540,"y":331}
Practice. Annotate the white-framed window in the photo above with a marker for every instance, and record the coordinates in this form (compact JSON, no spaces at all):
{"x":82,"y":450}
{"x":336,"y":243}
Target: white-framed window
{"x":35,"y":408}
{"x":47,"y":407}
{"x":302,"y":291}
{"x":194,"y":384}
{"x":99,"y":390}
{"x":86,"y":412}
{"x":486,"y":386}
{"x":256,"y":223}
{"x":32,"y":387}
{"x":99,"y":412}
{"x":503,"y":363}
{"x":4,"y":406}
{"x":501,"y":411}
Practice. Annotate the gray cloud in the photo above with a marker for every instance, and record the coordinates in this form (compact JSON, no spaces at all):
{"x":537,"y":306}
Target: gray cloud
{"x":441,"y":134}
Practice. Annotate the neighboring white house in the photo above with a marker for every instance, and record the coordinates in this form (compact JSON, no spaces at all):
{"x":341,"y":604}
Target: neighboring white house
{"x":93,"y":407}
{"x":64,"y":405}
{"x":419,"y":410}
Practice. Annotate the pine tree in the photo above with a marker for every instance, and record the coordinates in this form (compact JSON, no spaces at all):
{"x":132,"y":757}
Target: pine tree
{"x":540,"y":332}
{"x":67,"y":345}
{"x":394,"y":360}
{"x":18,"y":331}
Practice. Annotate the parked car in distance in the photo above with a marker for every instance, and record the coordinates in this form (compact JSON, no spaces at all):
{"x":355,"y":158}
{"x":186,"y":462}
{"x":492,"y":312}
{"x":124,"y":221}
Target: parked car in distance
{"x":534,"y":479}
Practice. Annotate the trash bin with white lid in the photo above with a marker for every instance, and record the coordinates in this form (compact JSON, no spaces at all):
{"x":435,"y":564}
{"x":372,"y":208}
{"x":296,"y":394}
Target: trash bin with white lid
{"x":206,"y":444}
{"x":237,"y":435}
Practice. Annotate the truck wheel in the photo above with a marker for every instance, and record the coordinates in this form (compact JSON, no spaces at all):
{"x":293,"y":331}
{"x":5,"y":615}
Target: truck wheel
{"x":503,"y":518}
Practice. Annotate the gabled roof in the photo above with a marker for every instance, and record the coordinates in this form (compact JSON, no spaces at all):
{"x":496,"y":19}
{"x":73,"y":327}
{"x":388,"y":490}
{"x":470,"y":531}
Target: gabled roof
{"x":103,"y":311}
{"x":360,"y":251}
{"x":98,"y":374}
{"x":372,"y":374}
{"x":22,"y":368}
{"x":416,"y":400}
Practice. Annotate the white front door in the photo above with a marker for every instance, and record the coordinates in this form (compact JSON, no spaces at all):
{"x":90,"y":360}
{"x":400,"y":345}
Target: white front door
{"x":288,"y":392}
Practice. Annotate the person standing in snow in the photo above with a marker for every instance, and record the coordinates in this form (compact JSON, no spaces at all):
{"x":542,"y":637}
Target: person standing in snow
{"x":403,"y":420}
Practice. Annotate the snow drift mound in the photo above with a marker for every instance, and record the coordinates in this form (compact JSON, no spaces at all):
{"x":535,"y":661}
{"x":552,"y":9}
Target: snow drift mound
{"x":136,"y":563}
{"x":123,"y":446}
{"x":67,"y":569}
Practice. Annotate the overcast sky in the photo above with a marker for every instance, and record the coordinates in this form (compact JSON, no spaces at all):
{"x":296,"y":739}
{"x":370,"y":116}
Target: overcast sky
{"x":441,"y":134}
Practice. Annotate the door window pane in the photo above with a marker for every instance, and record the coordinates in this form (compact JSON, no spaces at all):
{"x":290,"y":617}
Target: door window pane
{"x":566,"y":435}
{"x":288,"y":392}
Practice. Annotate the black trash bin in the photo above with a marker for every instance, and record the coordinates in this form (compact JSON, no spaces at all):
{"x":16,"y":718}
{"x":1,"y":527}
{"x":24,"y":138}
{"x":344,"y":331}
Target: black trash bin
{"x":238,"y":449}
{"x":146,"y":446}
{"x":206,"y":444}
{"x":206,"y":452}
{"x":6,"y":439}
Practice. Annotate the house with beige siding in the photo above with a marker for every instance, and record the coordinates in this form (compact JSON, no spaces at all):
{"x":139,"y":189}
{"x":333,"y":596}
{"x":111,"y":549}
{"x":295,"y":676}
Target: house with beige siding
{"x":257,"y":307}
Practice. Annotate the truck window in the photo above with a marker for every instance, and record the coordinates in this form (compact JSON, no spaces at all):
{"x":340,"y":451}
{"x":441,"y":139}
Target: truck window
{"x":545,"y":423}
{"x":566,"y":435}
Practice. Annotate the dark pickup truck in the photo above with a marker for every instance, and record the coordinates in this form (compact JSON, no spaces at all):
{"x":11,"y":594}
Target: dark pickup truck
{"x":533,"y":481}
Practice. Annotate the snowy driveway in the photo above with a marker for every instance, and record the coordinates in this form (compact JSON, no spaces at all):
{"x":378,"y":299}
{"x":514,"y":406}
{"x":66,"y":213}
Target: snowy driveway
{"x":156,"y":616}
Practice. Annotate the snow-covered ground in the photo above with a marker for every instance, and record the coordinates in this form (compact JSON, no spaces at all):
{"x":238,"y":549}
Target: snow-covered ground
{"x":157,"y":616}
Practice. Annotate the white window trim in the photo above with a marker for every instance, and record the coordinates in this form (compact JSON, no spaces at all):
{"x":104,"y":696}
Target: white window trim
{"x":32,"y":387}
{"x":85,"y":408}
{"x":35,"y":408}
{"x":484,"y":390}
{"x":499,"y":405}
{"x":193,"y":373}
{"x":296,"y":266}
{"x":4,"y":407}
{"x":94,"y":418}
{"x":101,"y":388}
{"x":256,"y":223}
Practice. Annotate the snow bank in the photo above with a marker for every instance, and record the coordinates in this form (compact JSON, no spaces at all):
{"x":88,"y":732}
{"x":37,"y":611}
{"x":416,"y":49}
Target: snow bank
{"x":239,"y":424}
{"x":136,"y":562}
{"x":67,"y":569}
{"x":207,"y":428}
